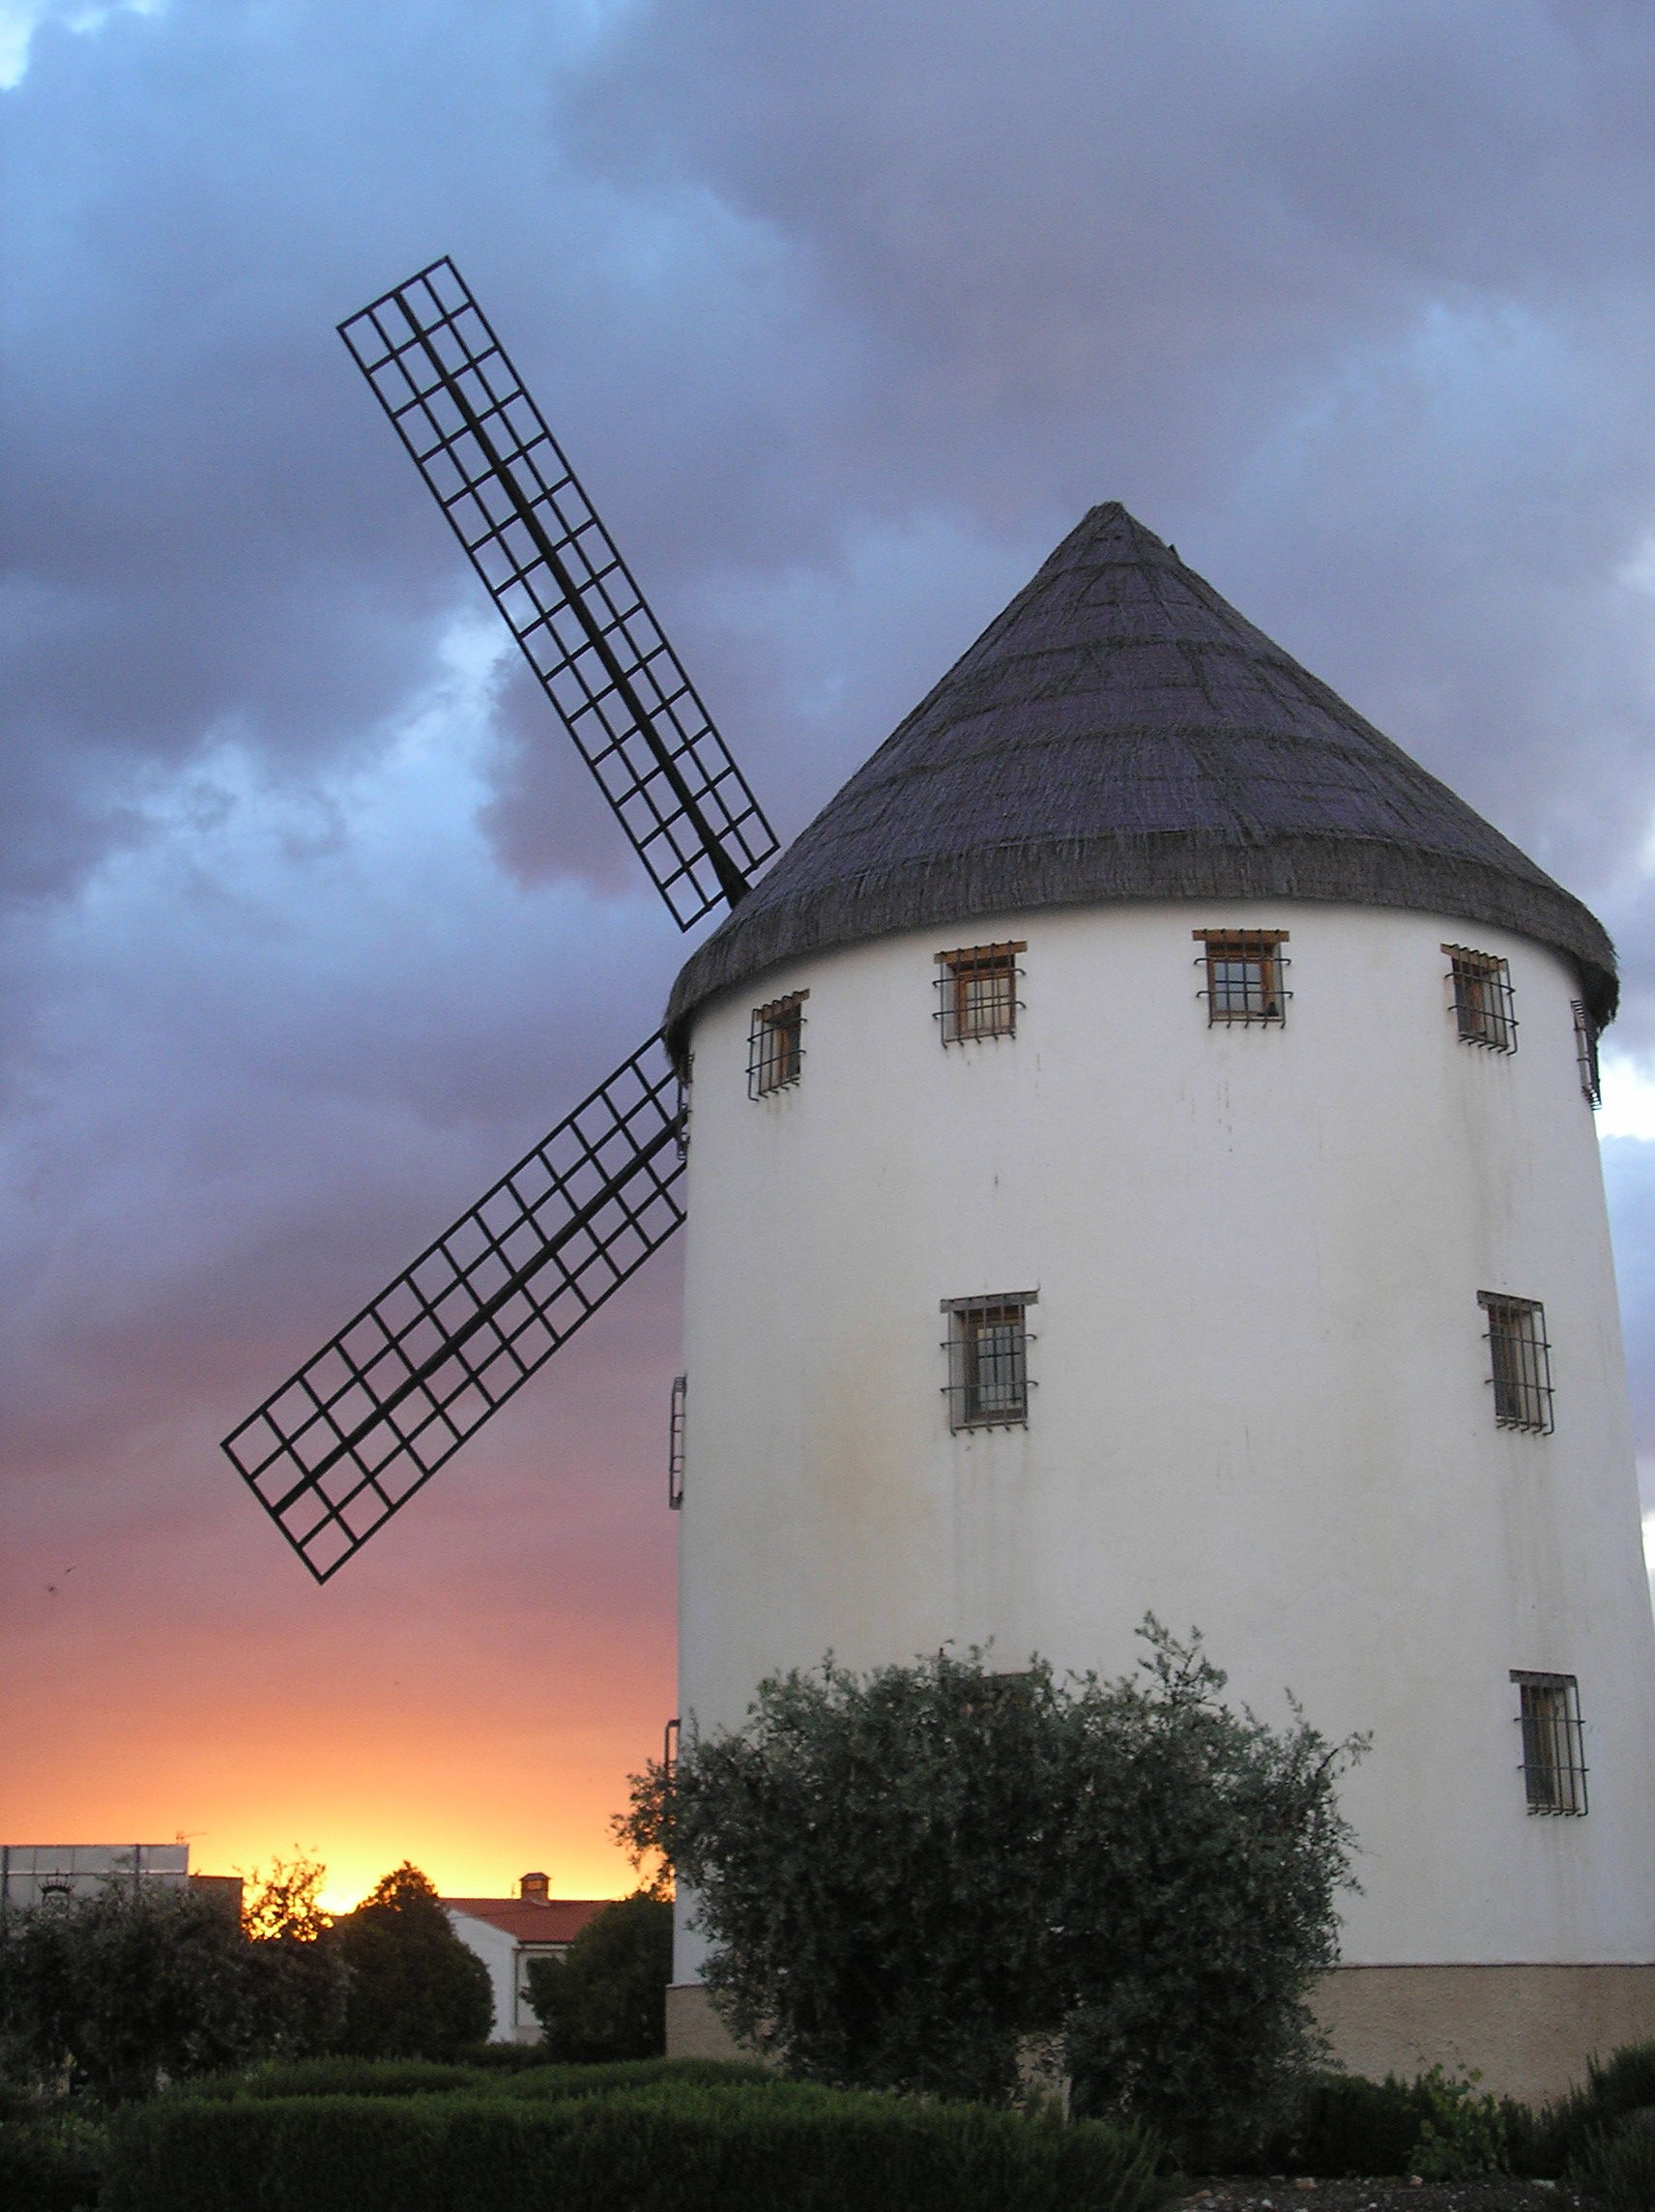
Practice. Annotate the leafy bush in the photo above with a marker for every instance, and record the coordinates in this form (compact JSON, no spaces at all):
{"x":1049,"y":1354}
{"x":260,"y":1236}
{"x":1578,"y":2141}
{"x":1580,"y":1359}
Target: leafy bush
{"x":911,"y":1878}
{"x":1462,"y":2134}
{"x":416,"y":1990}
{"x":608,"y":1997}
{"x":1617,"y":2166}
{"x":673,"y":2148}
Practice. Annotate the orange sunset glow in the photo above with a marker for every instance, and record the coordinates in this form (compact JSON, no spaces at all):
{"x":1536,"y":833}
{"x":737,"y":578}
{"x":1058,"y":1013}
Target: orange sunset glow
{"x":470,"y":1693}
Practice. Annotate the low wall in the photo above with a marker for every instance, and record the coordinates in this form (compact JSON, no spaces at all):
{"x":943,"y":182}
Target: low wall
{"x":694,"y":2030}
{"x":1528,"y":2030}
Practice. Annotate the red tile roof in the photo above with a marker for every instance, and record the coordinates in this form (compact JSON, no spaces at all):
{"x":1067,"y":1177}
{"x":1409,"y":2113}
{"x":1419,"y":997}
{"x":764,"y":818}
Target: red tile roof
{"x":527,"y":1920}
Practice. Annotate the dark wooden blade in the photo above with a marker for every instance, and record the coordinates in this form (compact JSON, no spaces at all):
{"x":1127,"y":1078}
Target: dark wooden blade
{"x":347,"y":1440}
{"x":568,"y":598}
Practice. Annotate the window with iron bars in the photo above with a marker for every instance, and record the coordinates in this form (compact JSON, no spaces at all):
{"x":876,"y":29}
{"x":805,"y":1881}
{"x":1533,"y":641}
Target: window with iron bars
{"x":1553,"y":1743}
{"x":1244,"y":975}
{"x":988,"y":1360}
{"x":976,"y":991}
{"x":1520,"y":1361}
{"x":1482,"y":999}
{"x":1586,"y":1053}
{"x":675,"y":1444}
{"x":775,"y":1045}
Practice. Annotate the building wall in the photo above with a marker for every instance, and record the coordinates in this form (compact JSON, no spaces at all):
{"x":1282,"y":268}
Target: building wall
{"x":1261,"y":1394}
{"x":498,"y":1952}
{"x":29,"y":1872}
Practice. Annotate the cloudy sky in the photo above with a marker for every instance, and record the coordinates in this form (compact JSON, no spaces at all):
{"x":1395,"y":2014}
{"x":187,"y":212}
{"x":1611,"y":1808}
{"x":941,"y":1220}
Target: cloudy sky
{"x":846,"y":311}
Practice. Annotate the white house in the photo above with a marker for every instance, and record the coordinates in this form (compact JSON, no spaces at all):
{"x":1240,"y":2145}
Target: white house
{"x":1143,"y":1159}
{"x":507,"y":1932}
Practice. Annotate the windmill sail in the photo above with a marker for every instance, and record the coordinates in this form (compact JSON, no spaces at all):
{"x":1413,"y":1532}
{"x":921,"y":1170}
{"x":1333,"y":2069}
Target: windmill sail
{"x":568,"y":598}
{"x":348,"y":1440}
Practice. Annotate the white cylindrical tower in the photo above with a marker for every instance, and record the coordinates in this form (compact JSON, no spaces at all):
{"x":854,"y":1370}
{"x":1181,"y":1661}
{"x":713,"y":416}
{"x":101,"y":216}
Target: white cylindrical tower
{"x":1143,"y":1161}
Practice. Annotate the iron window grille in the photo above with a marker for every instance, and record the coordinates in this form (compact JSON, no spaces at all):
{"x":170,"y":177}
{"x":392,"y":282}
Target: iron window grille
{"x":1520,"y":1362}
{"x":1554,"y":1742}
{"x":675,"y":1444}
{"x":670,"y":1736}
{"x":1244,"y":975}
{"x":1586,"y":1053}
{"x":976,"y":991}
{"x":987,"y":1345}
{"x":1482,"y":999}
{"x":775,"y":1045}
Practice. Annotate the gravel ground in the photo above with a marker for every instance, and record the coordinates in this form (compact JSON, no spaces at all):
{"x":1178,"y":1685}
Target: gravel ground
{"x":1492,"y":2193}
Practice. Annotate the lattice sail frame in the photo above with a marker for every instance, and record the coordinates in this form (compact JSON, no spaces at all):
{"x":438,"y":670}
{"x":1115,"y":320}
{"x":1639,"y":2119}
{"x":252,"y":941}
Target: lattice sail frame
{"x":368,"y":1421}
{"x":566,"y":596}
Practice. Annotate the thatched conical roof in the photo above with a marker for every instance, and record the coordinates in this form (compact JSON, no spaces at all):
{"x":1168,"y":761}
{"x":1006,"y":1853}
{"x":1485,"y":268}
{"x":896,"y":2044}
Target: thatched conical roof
{"x":1120,"y":732}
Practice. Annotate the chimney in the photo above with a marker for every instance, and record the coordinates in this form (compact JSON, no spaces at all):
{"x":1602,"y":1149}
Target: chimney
{"x":535,"y":1888}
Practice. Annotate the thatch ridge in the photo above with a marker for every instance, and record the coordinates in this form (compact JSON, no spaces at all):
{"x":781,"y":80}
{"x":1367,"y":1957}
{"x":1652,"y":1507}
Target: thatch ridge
{"x":1119,"y":732}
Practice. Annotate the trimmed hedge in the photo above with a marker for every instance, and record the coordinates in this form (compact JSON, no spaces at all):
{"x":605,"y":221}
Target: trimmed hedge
{"x":49,"y":2162}
{"x":433,"y":2077}
{"x":673,"y":2148}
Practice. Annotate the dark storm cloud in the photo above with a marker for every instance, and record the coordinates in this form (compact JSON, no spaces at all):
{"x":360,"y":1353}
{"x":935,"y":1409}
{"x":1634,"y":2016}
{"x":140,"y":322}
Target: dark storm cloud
{"x":1352,"y":300}
{"x":845,"y":313}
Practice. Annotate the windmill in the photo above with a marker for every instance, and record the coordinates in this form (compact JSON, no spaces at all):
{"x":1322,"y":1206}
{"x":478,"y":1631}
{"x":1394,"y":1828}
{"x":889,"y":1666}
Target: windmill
{"x":1144,"y":1160}
{"x":346,"y":1441}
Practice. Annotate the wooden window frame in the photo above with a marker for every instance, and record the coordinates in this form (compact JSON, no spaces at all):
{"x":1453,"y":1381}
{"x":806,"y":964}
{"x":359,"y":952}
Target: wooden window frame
{"x":973,"y":1402}
{"x":775,"y":1045}
{"x":675,"y":1440}
{"x":1520,"y":1362}
{"x":1481,"y":1001}
{"x":1553,"y":1743}
{"x":1263,"y":1002}
{"x":960,"y":1008}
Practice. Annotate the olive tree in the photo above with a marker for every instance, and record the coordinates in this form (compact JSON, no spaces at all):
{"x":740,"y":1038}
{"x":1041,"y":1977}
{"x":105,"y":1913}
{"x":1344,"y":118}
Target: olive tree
{"x":919,"y":1878}
{"x":141,"y":1984}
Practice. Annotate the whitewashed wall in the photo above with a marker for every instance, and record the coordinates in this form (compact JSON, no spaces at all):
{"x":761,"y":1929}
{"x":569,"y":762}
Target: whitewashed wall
{"x":1260,"y":1397}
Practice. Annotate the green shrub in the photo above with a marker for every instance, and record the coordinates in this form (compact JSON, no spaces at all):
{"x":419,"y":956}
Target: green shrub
{"x":1617,"y":2167}
{"x":1434,"y":2126}
{"x":50,"y":2164}
{"x":1563,"y":2133}
{"x":1350,"y":2125}
{"x":676,"y":2147}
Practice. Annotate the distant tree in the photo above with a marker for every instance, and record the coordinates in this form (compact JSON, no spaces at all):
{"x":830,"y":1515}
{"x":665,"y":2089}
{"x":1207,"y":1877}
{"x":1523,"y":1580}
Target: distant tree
{"x":920,"y":1877}
{"x":606,"y":1997}
{"x":287,"y":1900}
{"x":129,"y":1987}
{"x":415,"y":1991}
{"x":300,"y":1968}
